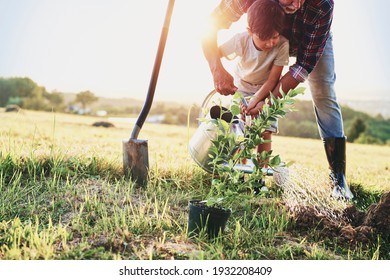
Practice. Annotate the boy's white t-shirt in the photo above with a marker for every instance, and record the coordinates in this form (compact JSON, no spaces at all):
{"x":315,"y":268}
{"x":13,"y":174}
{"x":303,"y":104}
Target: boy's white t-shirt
{"x":254,"y":66}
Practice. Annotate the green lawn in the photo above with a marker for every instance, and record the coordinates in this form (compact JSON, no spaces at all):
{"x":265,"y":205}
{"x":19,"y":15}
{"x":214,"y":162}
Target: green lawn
{"x":63,"y":196}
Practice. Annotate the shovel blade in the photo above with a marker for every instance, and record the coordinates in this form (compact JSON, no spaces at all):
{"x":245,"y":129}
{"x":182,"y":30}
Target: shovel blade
{"x":136,"y":160}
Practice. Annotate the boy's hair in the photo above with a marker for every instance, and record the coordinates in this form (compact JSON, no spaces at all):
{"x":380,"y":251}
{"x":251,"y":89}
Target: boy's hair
{"x":265,"y":17}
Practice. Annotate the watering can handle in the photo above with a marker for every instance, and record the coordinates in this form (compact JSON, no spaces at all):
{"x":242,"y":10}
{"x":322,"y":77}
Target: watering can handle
{"x":205,"y":103}
{"x":207,"y":100}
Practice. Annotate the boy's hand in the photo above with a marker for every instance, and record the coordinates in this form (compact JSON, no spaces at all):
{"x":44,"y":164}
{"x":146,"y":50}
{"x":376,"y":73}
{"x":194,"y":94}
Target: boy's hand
{"x":254,"y":107}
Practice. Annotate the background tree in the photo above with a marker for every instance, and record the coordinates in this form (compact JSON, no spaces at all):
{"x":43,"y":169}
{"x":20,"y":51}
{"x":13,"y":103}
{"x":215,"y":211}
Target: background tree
{"x":55,"y":100}
{"x":35,"y":100}
{"x":357,"y":127}
{"x":16,"y":87}
{"x":85,"y":98}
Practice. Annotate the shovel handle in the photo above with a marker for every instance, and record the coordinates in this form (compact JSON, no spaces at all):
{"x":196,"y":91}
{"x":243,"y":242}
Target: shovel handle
{"x":156,"y":69}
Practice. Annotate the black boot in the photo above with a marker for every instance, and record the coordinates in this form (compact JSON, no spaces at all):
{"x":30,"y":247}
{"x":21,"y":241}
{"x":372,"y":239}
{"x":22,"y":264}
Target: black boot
{"x":335,"y":152}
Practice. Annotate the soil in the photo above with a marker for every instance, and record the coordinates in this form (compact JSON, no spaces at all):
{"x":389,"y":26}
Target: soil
{"x":351,"y":225}
{"x":216,"y":208}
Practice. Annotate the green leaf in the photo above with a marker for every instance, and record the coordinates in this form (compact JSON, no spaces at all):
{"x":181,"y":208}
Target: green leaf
{"x":272,"y":119}
{"x":300,"y":90}
{"x":258,"y":140}
{"x":275,"y":161}
{"x":213,"y":121}
{"x":264,"y":155}
{"x":238,"y":95}
{"x":281,"y":92}
{"x":255,"y":162}
{"x":240,"y":138}
{"x":235,"y":109}
{"x":225,"y":125}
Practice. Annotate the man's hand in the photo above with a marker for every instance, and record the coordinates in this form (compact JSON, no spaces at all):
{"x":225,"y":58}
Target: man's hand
{"x":223,"y":82}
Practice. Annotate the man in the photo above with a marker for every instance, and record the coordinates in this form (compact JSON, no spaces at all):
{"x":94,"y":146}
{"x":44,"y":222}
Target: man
{"x":307,"y":28}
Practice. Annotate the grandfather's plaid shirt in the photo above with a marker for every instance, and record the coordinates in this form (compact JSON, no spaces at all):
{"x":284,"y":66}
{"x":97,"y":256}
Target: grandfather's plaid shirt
{"x":307,"y":30}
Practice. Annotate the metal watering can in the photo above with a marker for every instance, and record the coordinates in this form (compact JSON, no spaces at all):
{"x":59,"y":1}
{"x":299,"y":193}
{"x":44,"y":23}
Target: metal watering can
{"x":201,"y":142}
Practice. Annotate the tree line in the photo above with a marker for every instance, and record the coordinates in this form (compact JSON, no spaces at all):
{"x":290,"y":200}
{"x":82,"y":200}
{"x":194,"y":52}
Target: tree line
{"x":25,"y":93}
{"x":359,"y":127}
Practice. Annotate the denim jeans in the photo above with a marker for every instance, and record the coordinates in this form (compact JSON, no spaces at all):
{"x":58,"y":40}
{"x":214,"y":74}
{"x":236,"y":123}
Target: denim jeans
{"x":321,"y":81}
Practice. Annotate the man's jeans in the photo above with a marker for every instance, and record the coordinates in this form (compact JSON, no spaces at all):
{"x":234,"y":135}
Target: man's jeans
{"x":326,"y":108}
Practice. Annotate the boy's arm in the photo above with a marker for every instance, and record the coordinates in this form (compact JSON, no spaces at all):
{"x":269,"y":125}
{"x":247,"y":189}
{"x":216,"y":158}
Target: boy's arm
{"x":256,"y":103}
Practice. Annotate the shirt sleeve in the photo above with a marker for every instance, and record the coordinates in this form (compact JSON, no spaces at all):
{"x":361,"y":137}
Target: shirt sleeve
{"x":229,"y":11}
{"x":316,"y":31}
{"x":233,"y":47}
{"x":283,"y":54}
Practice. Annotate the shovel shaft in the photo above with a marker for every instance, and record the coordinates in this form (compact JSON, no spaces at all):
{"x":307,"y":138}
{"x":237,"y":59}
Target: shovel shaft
{"x":156,"y":69}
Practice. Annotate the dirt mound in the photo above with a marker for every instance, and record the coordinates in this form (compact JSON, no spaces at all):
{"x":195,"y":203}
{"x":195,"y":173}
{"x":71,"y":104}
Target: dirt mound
{"x":103,"y":124}
{"x":350,"y":225}
{"x":378,"y":216}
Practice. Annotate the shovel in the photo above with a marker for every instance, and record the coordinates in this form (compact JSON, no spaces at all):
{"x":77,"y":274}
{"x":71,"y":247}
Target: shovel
{"x":135,"y":152}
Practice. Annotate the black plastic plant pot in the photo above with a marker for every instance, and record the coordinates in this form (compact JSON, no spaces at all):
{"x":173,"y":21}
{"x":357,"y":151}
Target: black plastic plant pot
{"x":201,"y":217}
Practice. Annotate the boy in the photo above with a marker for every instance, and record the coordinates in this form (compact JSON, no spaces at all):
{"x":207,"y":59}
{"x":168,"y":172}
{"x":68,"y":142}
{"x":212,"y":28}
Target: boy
{"x":262,"y":55}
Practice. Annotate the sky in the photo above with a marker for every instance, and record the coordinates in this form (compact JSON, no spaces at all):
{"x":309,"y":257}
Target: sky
{"x":109,"y":47}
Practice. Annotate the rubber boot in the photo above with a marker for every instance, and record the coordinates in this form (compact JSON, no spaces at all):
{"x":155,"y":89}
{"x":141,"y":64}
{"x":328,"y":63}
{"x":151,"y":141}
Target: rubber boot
{"x":335,"y":153}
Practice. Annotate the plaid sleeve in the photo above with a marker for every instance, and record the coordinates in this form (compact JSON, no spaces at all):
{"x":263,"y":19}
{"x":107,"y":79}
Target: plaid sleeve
{"x":316,"y":30}
{"x":229,"y":11}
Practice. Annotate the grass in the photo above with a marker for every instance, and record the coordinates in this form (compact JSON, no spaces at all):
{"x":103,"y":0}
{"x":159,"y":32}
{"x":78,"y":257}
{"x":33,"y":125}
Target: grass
{"x":63,"y":196}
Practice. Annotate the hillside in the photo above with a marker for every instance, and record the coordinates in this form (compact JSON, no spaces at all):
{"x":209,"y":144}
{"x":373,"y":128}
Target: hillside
{"x":371,"y":107}
{"x":105,"y":102}
{"x":301,"y":123}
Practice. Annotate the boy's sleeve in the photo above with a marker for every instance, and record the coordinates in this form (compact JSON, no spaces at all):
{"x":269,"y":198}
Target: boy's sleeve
{"x":232,"y":48}
{"x":283,"y":54}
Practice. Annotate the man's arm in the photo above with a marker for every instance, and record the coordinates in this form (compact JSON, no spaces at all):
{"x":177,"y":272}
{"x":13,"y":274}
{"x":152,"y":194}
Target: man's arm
{"x":287,"y":82}
{"x":223,"y":81}
{"x":227,"y":12}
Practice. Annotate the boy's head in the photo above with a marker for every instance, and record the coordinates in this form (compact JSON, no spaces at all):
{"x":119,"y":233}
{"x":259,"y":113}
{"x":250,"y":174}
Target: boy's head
{"x":265,"y":19}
